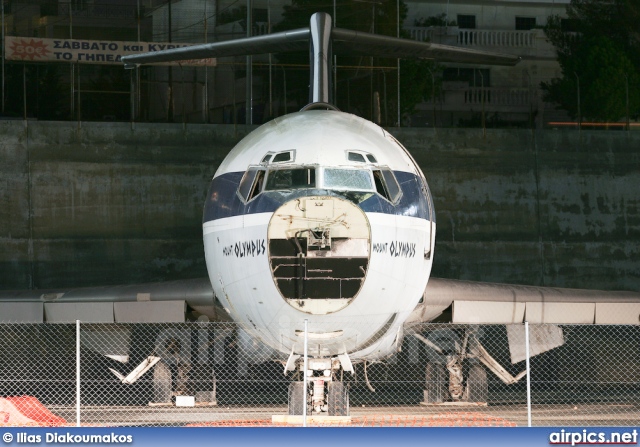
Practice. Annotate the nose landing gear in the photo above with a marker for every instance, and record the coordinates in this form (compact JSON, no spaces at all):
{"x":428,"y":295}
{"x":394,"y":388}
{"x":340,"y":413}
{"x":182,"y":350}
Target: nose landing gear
{"x":324,"y":396}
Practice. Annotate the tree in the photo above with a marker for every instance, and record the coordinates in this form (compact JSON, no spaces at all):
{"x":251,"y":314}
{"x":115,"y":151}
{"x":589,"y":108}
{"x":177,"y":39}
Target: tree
{"x":598,"y":48}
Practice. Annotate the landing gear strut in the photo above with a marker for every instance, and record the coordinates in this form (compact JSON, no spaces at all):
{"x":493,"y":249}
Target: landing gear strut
{"x":324,"y":398}
{"x":451,"y":354}
{"x":324,"y":395}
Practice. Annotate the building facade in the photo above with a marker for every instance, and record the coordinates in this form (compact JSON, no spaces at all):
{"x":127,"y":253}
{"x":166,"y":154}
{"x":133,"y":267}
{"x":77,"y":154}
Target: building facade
{"x":506,"y":94}
{"x":234,"y":92}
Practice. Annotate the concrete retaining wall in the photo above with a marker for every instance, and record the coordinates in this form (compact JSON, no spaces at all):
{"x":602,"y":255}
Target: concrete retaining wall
{"x":106,"y":203}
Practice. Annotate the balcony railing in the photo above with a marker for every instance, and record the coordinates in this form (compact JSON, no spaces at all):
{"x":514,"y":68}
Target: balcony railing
{"x":421,"y":34}
{"x":495,"y":38}
{"x":498,"y":96}
{"x":532,"y":43}
{"x":496,"y":99}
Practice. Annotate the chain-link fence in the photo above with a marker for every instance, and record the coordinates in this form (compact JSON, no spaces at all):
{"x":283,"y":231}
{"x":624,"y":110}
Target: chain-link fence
{"x":210,"y":374}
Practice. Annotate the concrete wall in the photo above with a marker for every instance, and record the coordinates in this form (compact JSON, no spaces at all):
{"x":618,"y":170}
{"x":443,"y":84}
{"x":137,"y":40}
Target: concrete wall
{"x":108,"y":204}
{"x":104,"y":204}
{"x":556,"y":208}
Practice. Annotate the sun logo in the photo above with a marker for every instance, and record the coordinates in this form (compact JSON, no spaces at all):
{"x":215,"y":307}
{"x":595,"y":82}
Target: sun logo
{"x":29,"y":49}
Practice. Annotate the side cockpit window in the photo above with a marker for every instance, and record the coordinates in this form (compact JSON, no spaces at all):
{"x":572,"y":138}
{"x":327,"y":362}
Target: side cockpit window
{"x":251,"y":184}
{"x":386,"y":184}
{"x":287,"y":179}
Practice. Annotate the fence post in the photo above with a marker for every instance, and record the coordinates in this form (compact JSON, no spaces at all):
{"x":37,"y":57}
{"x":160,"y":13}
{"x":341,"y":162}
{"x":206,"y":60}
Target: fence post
{"x":77,"y":373}
{"x":526,"y":338}
{"x":304,"y":375}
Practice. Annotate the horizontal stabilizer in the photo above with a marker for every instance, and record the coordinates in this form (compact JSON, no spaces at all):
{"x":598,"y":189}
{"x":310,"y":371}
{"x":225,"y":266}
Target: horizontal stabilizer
{"x":284,"y":42}
{"x":351,"y":42}
{"x":344,"y":41}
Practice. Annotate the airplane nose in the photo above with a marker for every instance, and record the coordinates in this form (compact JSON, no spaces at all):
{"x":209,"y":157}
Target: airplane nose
{"x":319,"y":250}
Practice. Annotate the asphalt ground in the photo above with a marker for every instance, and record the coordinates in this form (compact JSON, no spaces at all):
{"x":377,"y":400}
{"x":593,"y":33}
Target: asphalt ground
{"x":454,"y":415}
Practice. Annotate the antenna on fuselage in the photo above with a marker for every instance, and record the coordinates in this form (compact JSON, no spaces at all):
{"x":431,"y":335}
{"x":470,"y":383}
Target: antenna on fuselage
{"x":320,"y":39}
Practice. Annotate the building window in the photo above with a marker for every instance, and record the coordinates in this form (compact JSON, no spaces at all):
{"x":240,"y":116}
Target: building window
{"x":525,"y":23}
{"x":466,"y":21}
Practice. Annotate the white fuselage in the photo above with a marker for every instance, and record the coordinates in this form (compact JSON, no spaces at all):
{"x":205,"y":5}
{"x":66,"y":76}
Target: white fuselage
{"x":324,"y":234}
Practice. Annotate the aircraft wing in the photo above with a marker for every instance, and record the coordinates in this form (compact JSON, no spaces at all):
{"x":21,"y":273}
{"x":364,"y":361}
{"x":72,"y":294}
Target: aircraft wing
{"x":445,"y":300}
{"x":345,"y":41}
{"x":468,"y":302}
{"x":150,"y":302}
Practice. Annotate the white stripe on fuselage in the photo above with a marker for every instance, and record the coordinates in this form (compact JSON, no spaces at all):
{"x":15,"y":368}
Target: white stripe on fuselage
{"x":236,"y":222}
{"x":250,"y":220}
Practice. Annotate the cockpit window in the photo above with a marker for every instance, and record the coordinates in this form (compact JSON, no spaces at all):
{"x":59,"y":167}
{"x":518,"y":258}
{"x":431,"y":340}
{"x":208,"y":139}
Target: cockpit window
{"x":355,"y":156}
{"x":392,"y":184}
{"x":350,"y":179}
{"x":251,"y":184}
{"x":282,"y":157}
{"x":386,"y":184}
{"x":298,"y":178}
{"x":361,"y":157}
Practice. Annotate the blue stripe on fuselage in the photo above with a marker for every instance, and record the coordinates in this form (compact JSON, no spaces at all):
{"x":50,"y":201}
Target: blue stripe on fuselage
{"x":223,"y":201}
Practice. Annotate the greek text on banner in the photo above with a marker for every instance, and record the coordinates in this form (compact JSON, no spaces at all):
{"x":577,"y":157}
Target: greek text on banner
{"x":34,"y":49}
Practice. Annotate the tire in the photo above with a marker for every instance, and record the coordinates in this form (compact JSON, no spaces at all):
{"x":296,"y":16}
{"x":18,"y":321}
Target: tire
{"x":161,"y":383}
{"x":477,"y":385}
{"x":338,"y":403}
{"x":296,"y":398}
{"x":435,"y":387}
